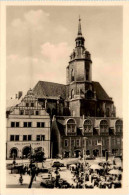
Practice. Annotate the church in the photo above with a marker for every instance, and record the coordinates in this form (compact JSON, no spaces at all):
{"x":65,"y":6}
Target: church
{"x":82,"y":116}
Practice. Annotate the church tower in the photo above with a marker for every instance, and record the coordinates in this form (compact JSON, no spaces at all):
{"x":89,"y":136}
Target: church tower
{"x":80,"y":65}
{"x":79,"y":75}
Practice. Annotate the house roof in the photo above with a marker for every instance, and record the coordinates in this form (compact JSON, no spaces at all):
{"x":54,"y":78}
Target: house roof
{"x":44,"y":89}
{"x":50,"y":90}
{"x":12,"y":103}
{"x":100,"y":92}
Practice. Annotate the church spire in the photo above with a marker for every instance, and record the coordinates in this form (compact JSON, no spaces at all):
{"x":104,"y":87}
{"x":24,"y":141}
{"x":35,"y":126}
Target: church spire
{"x":80,"y":39}
{"x":79,"y":27}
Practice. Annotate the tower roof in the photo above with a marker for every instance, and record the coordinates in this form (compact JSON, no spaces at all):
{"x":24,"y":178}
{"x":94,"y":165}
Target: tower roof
{"x":79,"y":34}
{"x":79,"y":27}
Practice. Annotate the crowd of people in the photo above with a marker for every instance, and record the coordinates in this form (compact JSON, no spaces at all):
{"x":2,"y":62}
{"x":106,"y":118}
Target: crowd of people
{"x":108,"y":175}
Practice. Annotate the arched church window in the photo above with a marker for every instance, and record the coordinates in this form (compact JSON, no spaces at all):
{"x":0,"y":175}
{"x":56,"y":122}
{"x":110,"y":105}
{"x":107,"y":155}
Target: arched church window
{"x":72,"y":75}
{"x":103,"y":126}
{"x":87,"y":126}
{"x":72,"y":93}
{"x":71,"y":126}
{"x":119,"y":125}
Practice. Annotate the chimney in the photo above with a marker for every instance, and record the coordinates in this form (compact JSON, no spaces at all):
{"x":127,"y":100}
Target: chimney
{"x":20,"y":93}
{"x":16,"y":96}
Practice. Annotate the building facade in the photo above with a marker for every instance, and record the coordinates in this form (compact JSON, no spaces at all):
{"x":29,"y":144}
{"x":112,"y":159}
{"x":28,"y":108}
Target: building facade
{"x":28,"y":127}
{"x":74,"y":136}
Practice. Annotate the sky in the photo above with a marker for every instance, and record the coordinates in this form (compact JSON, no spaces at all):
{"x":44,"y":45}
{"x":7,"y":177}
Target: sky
{"x":40,"y":39}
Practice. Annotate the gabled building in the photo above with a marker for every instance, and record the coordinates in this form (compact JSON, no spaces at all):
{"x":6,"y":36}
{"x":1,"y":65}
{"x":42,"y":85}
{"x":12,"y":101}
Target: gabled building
{"x":28,"y":127}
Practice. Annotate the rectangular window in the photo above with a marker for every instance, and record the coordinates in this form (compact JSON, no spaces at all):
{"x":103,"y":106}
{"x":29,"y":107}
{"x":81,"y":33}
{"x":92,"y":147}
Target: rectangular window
{"x":25,"y":124}
{"x":17,"y":138}
{"x":24,"y":137}
{"x":29,"y":124}
{"x":118,"y":141}
{"x":42,"y":137}
{"x":21,"y":112}
{"x":38,"y":138}
{"x":12,"y":124}
{"x":77,"y":142}
{"x":72,"y":142}
{"x":40,"y":124}
{"x":29,"y":137}
{"x":65,"y":142}
{"x":37,"y":112}
{"x":27,"y":104}
{"x":17,"y":124}
{"x":32,"y":104}
{"x":11,"y":137}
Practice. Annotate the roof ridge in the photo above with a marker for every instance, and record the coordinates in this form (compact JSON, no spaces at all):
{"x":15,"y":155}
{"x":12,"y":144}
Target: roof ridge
{"x":51,"y":82}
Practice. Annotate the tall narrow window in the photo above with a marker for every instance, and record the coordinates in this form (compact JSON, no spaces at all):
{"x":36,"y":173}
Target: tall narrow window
{"x":29,"y":137}
{"x":12,"y":124}
{"x":24,"y":137}
{"x":65,"y":142}
{"x":71,"y":126}
{"x":88,"y":126}
{"x":17,"y":138}
{"x":103,"y":126}
{"x":11,"y":137}
{"x":72,"y":75}
{"x":32,"y":104}
{"x":27,"y":104}
{"x":72,"y":93}
{"x":119,"y":126}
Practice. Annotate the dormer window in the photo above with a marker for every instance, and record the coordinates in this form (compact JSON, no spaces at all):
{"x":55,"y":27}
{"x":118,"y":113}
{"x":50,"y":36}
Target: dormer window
{"x":103,"y":126}
{"x":71,"y":126}
{"x":87,"y":126}
{"x":119,"y":126}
